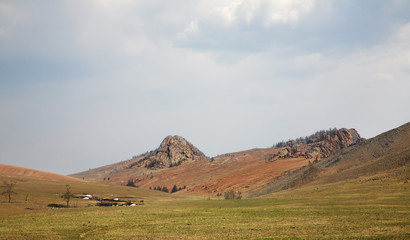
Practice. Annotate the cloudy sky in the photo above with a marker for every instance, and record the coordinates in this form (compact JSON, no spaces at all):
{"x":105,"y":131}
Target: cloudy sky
{"x":88,"y":83}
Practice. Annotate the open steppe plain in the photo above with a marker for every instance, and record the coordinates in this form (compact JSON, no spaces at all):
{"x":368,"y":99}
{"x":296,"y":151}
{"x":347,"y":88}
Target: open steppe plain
{"x":376,"y":207}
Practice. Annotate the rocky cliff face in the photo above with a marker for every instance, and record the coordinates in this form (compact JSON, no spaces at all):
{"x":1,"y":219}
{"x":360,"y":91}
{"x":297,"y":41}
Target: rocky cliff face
{"x":322,"y":144}
{"x":328,"y":143}
{"x":173,"y":151}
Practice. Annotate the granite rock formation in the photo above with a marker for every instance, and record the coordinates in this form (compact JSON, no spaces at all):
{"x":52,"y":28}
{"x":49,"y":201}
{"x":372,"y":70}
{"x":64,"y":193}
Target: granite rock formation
{"x":173,"y":151}
{"x":320,"y":145}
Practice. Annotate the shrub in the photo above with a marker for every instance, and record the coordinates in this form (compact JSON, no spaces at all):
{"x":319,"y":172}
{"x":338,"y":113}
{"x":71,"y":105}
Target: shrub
{"x":231,"y":194}
{"x":55,"y":205}
{"x":174,"y":189}
{"x":131,"y":183}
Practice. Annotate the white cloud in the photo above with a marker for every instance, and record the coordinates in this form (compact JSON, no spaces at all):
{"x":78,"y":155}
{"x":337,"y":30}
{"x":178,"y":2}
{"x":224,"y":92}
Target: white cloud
{"x":270,"y":12}
{"x":365,"y":89}
{"x":315,"y":61}
{"x":191,"y":30}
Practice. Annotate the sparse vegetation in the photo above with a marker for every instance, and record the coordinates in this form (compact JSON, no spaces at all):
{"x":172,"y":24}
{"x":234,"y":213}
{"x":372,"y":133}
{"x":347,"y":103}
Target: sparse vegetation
{"x":338,"y":211}
{"x":174,"y":189}
{"x":67,"y":195}
{"x":165,"y":189}
{"x":8,"y":189}
{"x":231,"y":194}
{"x":131,"y":183}
{"x":364,"y":195}
{"x":56,"y":205}
{"x":317,"y":136}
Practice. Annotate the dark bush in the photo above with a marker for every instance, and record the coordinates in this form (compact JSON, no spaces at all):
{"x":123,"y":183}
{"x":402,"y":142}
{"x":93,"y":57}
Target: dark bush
{"x":174,"y":189}
{"x":131,"y":183}
{"x":106,"y":204}
{"x":55,"y":205}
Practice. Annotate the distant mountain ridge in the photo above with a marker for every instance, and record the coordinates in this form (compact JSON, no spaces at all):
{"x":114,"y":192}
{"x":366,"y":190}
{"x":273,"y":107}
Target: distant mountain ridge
{"x":322,"y":158}
{"x":177,"y":161}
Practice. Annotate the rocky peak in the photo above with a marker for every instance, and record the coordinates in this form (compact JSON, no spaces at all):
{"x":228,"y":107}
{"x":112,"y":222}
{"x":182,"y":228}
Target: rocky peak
{"x":172,"y":151}
{"x":329,"y":142}
{"x":322,"y":144}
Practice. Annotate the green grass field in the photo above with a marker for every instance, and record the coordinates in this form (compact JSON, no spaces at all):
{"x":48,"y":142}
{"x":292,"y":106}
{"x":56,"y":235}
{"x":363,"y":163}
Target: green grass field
{"x":353,"y":210}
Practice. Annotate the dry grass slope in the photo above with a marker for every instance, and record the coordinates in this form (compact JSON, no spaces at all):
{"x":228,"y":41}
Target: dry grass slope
{"x":387,"y":153}
{"x":34,"y":194}
{"x":8,"y":170}
{"x":371,"y":210}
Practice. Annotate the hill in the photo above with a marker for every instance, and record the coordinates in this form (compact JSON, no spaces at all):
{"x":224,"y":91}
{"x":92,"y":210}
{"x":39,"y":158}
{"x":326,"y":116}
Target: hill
{"x":385,"y":157}
{"x":178,"y":163}
{"x":320,"y":145}
{"x":14,"y":171}
{"x":173,"y":151}
{"x":35,"y":190}
{"x":359,"y":192}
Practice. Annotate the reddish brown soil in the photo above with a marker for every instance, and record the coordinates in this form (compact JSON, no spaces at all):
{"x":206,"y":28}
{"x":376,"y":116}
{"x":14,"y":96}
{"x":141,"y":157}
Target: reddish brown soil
{"x":241,"y":171}
{"x":7,"y":170}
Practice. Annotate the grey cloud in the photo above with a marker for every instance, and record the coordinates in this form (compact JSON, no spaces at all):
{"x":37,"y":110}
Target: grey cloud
{"x":84,"y":84}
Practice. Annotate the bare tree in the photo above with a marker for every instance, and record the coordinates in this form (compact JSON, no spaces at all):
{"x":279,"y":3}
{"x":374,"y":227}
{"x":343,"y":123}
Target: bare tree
{"x":8,"y":189}
{"x":67,"y":195}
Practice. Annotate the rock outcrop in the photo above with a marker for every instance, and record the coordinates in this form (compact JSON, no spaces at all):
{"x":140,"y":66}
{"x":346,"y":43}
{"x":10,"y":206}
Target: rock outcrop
{"x":173,"y":151}
{"x":320,"y":145}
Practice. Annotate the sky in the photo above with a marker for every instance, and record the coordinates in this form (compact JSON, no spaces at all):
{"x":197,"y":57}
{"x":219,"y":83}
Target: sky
{"x":88,"y":83}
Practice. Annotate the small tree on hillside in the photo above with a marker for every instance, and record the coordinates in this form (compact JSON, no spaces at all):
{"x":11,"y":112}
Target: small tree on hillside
{"x":164,"y":189}
{"x":8,"y":189}
{"x":174,"y":189}
{"x":67,"y":195}
{"x":131,"y":183}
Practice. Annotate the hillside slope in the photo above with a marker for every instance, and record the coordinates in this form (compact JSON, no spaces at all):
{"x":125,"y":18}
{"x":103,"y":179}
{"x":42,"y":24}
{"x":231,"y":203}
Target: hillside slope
{"x":177,"y":162}
{"x":381,"y":158}
{"x":14,"y":171}
{"x":34,"y":190}
{"x":172,"y":152}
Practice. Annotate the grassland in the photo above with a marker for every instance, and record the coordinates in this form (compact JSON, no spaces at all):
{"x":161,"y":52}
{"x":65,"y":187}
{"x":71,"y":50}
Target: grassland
{"x":41,"y":192}
{"x":357,"y":209}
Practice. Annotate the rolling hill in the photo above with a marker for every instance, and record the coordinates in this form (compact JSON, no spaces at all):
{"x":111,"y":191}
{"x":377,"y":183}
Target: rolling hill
{"x":385,"y":157}
{"x":14,"y":171}
{"x":331,"y":185}
{"x":34,"y":190}
{"x":177,"y":162}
